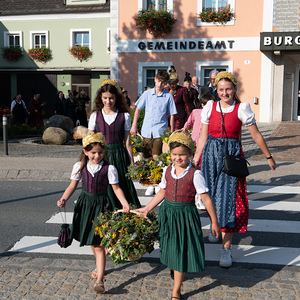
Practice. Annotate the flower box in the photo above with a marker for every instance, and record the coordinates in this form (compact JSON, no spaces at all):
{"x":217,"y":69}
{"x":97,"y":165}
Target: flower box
{"x":216,"y":16}
{"x":81,"y":52}
{"x":127,"y":237}
{"x":158,"y":22}
{"x":12,"y":53}
{"x":42,"y":54}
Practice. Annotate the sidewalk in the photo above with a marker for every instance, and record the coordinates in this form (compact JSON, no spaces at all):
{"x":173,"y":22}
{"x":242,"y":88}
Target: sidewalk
{"x":40,"y":276}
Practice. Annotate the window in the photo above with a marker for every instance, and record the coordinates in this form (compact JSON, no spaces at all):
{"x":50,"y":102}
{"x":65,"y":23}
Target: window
{"x":108,"y":40}
{"x":157,"y":4}
{"x":147,"y":72}
{"x":81,"y":37}
{"x":203,"y":68}
{"x":38,"y":39}
{"x":215,"y":4}
{"x":84,"y":2}
{"x":12,"y":39}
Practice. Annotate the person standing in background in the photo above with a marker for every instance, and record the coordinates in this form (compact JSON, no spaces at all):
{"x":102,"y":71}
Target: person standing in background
{"x":210,"y":87}
{"x":181,"y":98}
{"x":192,"y":93}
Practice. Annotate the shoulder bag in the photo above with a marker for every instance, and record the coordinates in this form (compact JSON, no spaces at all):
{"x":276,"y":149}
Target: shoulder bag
{"x":233,"y":165}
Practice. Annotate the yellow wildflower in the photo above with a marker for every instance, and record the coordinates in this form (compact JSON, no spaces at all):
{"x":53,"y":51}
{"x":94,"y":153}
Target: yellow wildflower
{"x":113,"y":235}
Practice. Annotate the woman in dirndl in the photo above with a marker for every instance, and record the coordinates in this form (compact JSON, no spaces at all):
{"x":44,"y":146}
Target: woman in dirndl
{"x":229,"y":194}
{"x":111,"y":117}
{"x":180,"y":234}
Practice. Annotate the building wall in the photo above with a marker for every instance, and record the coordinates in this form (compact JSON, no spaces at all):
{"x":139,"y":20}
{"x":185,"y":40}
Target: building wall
{"x":59,"y":27}
{"x":245,"y":56}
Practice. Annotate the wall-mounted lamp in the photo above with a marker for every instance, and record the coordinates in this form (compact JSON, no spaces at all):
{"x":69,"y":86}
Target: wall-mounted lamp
{"x":255,"y":100}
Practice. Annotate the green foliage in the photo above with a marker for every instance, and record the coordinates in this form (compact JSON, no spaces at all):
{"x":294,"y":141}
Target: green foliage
{"x":40,"y":54}
{"x":157,"y":22}
{"x":12,"y":53}
{"x":127,"y":236}
{"x":140,"y":120}
{"x":23,"y":130}
{"x":213,"y":16}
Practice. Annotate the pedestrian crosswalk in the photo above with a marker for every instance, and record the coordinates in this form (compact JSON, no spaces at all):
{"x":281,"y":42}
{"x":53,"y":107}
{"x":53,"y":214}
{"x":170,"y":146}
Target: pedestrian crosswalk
{"x":267,"y":218}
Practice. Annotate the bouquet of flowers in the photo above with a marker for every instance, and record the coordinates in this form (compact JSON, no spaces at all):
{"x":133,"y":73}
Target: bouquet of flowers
{"x":149,"y":172}
{"x":127,"y":237}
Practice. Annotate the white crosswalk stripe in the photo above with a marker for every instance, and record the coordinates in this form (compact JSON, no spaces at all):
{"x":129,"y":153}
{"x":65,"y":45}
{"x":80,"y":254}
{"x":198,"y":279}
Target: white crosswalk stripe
{"x":241,"y":253}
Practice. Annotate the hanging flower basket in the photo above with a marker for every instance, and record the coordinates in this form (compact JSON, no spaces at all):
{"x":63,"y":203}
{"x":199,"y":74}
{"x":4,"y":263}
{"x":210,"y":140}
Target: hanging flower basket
{"x":157,"y":22}
{"x":213,"y":16}
{"x":81,"y":52}
{"x":12,"y":53}
{"x":42,"y":54}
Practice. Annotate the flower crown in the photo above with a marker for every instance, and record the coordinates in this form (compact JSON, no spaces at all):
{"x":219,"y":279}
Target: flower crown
{"x":224,"y":74}
{"x":182,"y":138}
{"x":94,"y":138}
{"x":109,"y":81}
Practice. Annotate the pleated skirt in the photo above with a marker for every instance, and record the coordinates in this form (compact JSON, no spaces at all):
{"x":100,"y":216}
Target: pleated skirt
{"x":180,"y":237}
{"x":118,"y":157}
{"x":86,"y":211}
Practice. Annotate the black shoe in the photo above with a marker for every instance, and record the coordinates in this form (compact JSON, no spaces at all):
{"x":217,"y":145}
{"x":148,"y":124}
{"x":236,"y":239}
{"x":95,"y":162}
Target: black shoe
{"x":172,"y":274}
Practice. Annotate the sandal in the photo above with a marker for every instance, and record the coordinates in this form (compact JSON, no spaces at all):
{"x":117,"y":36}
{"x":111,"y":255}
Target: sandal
{"x":99,"y":287}
{"x":94,"y":274}
{"x":180,"y":297}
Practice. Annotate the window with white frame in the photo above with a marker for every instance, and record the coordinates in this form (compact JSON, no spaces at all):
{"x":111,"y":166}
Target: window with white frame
{"x":81,"y":37}
{"x":157,"y":4}
{"x":12,"y":39}
{"x":84,"y":2}
{"x":215,"y":5}
{"x":108,"y":40}
{"x":203,"y":68}
{"x":38,"y":39}
{"x":147,"y":72}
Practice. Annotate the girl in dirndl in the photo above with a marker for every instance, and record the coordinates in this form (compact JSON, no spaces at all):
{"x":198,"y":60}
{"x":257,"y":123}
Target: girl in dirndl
{"x":180,"y":234}
{"x":111,"y":117}
{"x":229,"y":194}
{"x":96,"y":174}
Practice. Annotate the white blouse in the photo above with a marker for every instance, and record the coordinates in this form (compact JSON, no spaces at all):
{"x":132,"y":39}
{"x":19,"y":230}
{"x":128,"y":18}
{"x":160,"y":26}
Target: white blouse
{"x":198,"y":180}
{"x":113,"y":177}
{"x":245,"y":114}
{"x":109,"y":119}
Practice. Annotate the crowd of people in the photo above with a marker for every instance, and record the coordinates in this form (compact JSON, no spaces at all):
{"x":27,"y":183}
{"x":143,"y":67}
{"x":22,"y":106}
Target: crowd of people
{"x":31,"y":116}
{"x":73,"y":106}
{"x":197,"y":167}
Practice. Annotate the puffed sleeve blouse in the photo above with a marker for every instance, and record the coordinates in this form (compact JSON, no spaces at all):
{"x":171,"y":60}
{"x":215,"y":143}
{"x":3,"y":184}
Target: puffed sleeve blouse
{"x":245,"y":114}
{"x":113,"y":177}
{"x":109,"y":119}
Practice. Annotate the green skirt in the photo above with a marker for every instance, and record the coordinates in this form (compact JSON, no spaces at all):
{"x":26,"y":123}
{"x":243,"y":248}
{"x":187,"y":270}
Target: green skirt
{"x":118,"y":157}
{"x":180,"y":237}
{"x":86,"y":211}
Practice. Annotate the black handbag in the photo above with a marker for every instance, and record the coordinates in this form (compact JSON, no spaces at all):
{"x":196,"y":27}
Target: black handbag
{"x":64,"y":238}
{"x":233,"y":165}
